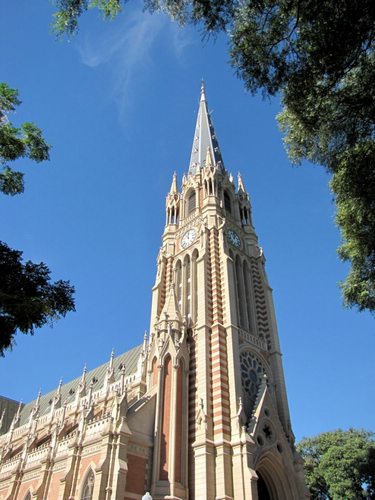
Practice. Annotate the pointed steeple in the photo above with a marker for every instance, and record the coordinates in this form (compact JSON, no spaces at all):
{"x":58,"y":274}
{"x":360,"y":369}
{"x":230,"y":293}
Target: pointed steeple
{"x":204,"y":138}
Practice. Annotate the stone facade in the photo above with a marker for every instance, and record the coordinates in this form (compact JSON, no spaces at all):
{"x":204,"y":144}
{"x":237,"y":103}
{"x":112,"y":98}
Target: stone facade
{"x":199,"y":410}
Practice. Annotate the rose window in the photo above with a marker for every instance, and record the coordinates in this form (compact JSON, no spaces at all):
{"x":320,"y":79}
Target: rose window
{"x":252,"y":371}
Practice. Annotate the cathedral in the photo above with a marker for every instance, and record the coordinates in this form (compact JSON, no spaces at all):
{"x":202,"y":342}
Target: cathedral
{"x":198,"y":410}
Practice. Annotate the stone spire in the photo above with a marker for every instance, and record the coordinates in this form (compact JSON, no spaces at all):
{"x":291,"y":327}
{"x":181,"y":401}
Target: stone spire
{"x":204,"y":139}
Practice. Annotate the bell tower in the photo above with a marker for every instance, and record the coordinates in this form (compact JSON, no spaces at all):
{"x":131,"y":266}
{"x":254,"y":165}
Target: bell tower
{"x":222,"y":424}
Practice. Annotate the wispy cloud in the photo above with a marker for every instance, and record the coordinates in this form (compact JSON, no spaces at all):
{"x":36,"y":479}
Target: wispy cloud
{"x":128,"y":50}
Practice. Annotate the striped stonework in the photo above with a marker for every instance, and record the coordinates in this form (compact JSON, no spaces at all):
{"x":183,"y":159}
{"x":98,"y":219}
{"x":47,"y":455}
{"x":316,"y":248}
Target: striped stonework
{"x":199,"y":410}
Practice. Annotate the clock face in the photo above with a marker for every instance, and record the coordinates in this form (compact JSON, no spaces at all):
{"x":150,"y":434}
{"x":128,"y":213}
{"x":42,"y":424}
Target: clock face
{"x":233,"y":238}
{"x":188,"y":238}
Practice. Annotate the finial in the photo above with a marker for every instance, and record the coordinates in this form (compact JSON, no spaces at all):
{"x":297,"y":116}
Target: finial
{"x":19,"y":410}
{"x":208,"y":158}
{"x":174,"y":188}
{"x":35,"y":409}
{"x":82,"y":382}
{"x":144,"y":347}
{"x":84,"y":371}
{"x":203,"y":91}
{"x":2,"y":419}
{"x":241,"y":186}
{"x":110,"y":367}
{"x":58,"y":391}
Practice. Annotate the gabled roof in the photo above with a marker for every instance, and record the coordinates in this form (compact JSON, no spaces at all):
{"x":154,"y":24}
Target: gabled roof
{"x":204,"y":138}
{"x":171,"y":307}
{"x":97,"y":375}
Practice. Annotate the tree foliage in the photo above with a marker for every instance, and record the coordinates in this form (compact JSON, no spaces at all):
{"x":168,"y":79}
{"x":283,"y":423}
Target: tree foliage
{"x":319,"y":55}
{"x":25,"y":141}
{"x":340,"y":464}
{"x":28,"y":298}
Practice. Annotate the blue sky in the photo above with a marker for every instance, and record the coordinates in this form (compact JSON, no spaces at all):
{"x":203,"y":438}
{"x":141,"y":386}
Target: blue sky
{"x":118,"y":103}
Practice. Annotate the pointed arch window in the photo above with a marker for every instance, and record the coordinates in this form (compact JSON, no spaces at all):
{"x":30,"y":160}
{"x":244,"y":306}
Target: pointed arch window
{"x":191,"y":202}
{"x":88,"y":487}
{"x":227,"y":203}
{"x":28,"y":496}
{"x":178,"y":281}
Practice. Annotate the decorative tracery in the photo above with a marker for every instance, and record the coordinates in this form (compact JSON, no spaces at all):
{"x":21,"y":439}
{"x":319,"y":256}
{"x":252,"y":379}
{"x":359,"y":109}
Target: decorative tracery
{"x":252,"y":371}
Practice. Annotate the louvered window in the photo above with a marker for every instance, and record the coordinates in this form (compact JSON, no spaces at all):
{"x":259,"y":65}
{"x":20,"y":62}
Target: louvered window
{"x":191,"y":203}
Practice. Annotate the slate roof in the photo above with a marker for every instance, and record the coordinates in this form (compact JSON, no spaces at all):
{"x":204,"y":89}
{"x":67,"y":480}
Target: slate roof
{"x":69,"y":390}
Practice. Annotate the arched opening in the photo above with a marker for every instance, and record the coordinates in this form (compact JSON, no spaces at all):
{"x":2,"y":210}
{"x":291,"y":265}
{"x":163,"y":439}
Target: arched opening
{"x":190,"y":204}
{"x":227,"y":203}
{"x":178,"y":281}
{"x":179,"y":424}
{"x":154,"y":371}
{"x":187,"y":286}
{"x":263,"y":493}
{"x":194,"y":286}
{"x":240,"y":293}
{"x":88,"y":486}
{"x":246,"y":216}
{"x":165,"y":431}
{"x":248,"y":295}
{"x":28,"y":496}
{"x":273,"y":481}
